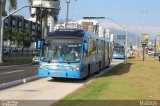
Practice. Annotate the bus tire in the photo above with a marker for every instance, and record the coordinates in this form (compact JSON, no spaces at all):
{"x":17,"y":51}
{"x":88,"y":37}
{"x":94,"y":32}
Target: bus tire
{"x":55,"y":78}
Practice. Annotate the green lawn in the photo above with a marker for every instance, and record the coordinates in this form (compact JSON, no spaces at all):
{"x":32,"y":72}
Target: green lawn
{"x":137,"y":80}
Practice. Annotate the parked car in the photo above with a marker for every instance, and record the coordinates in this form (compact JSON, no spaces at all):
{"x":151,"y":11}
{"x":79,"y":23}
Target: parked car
{"x":6,"y":51}
{"x":36,"y":59}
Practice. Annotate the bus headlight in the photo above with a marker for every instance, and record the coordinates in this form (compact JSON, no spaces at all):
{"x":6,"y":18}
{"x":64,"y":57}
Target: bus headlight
{"x":41,"y":66}
{"x":76,"y":67}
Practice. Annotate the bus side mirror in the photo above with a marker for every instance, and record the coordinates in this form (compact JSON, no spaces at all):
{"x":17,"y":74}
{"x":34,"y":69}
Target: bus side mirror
{"x":86,"y":46}
{"x":39,"y":43}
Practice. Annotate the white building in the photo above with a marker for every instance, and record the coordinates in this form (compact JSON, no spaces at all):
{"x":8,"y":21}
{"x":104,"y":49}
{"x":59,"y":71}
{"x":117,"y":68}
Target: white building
{"x":111,"y":37}
{"x":50,"y":23}
{"x":101,"y":32}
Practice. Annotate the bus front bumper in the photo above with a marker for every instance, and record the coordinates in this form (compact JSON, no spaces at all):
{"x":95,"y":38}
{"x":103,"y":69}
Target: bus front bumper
{"x":59,"y":74}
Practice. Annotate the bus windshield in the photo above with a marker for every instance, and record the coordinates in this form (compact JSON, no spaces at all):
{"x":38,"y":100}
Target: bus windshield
{"x":62,"y":50}
{"x":118,"y":50}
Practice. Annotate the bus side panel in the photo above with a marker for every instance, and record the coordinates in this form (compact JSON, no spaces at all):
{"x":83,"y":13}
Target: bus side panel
{"x":94,"y":63}
{"x":94,"y":56}
{"x":100,"y":54}
{"x":85,"y":66}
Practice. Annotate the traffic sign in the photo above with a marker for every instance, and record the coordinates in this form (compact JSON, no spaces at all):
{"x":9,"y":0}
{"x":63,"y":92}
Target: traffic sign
{"x":144,"y":39}
{"x":157,"y":46}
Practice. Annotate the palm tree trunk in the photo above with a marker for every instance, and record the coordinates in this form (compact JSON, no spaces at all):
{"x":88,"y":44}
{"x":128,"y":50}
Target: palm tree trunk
{"x":1,"y":50}
{"x":44,"y":26}
{"x":0,"y":13}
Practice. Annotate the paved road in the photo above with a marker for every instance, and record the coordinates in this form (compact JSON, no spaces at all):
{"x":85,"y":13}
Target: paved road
{"x":46,"y":89}
{"x":16,"y":72}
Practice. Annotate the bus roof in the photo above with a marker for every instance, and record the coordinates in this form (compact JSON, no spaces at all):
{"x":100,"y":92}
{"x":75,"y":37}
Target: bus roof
{"x":74,"y":32}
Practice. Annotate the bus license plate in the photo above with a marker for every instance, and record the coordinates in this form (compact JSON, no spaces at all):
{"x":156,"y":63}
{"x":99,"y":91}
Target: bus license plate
{"x":57,"y":75}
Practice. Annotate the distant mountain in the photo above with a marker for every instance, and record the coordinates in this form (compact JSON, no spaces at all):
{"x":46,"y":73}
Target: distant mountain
{"x":60,"y":21}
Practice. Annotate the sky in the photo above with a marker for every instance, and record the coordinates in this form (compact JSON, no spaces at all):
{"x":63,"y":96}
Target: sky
{"x":139,"y":16}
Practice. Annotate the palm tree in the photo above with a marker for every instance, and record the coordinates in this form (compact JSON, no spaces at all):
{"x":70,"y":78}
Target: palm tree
{"x":41,"y":14}
{"x":27,"y":40}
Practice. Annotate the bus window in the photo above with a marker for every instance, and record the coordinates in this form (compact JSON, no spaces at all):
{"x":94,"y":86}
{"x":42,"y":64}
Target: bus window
{"x":85,"y":48}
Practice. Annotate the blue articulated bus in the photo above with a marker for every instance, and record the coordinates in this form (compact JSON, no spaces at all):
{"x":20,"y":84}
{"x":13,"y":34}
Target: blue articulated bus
{"x":118,"y":51}
{"x":73,"y":53}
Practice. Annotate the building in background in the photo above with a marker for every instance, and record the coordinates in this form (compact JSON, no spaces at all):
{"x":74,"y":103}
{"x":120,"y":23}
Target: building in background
{"x":88,"y":25}
{"x":17,"y":23}
{"x":50,"y":23}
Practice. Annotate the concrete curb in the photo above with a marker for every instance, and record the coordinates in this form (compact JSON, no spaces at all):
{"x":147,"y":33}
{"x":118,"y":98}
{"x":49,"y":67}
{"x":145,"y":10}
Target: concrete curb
{"x":18,"y":82}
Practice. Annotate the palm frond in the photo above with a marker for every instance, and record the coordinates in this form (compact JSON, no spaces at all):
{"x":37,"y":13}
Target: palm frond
{"x":4,"y":13}
{"x":12,"y":5}
{"x":55,"y":16}
{"x":29,"y":1}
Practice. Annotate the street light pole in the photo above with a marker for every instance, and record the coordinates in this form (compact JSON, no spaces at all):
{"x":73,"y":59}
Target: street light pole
{"x":2,"y":31}
{"x":67,"y":1}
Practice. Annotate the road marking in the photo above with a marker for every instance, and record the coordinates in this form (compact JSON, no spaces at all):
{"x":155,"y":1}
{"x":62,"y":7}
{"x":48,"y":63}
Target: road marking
{"x":12,"y":72}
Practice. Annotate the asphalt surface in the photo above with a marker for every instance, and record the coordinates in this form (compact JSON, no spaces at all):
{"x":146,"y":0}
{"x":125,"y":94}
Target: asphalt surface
{"x":17,"y":72}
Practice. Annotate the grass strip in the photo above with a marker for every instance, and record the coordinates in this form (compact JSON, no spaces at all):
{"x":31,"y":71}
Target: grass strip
{"x":124,"y":84}
{"x":17,"y":60}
